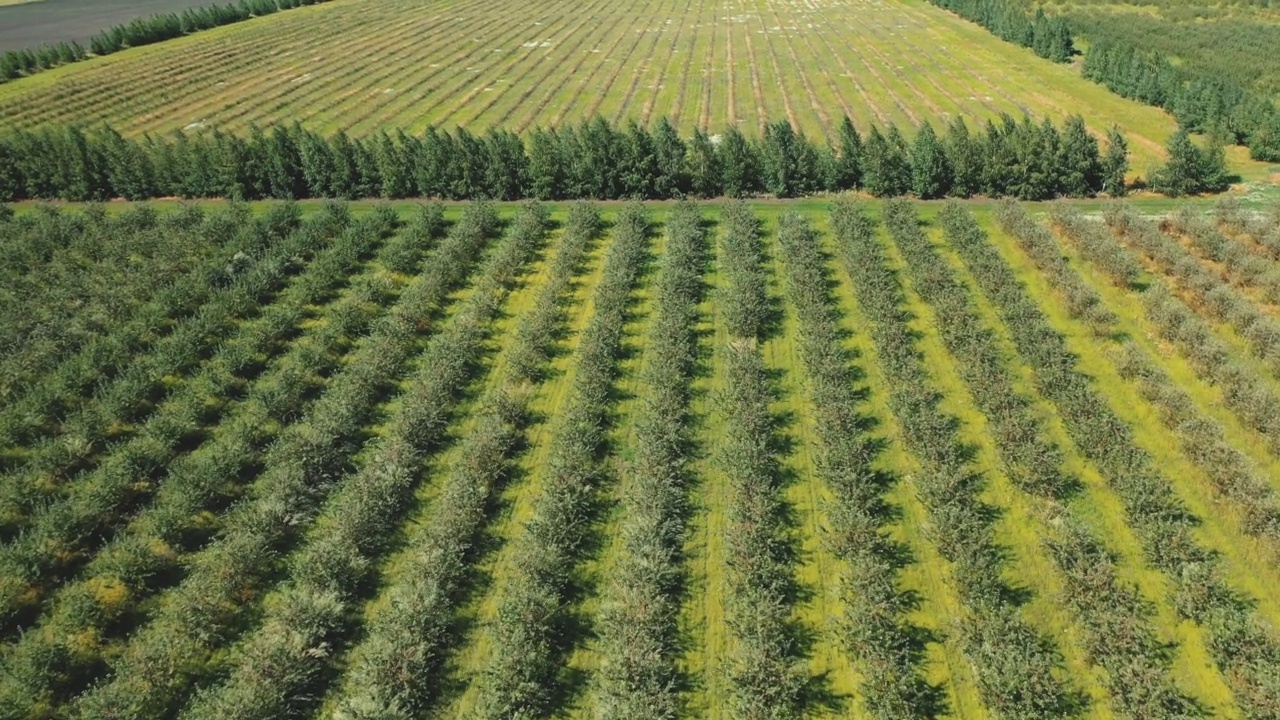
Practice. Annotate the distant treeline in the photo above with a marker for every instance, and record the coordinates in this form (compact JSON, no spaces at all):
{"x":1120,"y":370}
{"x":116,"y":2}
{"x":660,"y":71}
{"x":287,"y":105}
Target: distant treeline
{"x":1024,"y":159}
{"x":1047,"y":37}
{"x":142,"y":31}
{"x":1201,"y":101}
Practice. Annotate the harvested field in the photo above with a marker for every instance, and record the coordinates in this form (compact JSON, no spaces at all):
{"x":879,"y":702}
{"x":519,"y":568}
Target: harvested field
{"x":361,"y":67}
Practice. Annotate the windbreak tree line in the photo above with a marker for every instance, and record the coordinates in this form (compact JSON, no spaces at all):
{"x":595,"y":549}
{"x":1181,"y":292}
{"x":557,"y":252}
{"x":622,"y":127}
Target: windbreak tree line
{"x":595,"y":159}
{"x":1204,"y":103}
{"x":140,"y":31}
{"x":1050,"y":38}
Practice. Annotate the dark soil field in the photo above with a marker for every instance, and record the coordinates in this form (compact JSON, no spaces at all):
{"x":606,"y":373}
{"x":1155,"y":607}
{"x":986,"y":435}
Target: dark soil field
{"x":37,"y":23}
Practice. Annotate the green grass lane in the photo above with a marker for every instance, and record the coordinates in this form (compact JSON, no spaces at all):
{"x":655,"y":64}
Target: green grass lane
{"x":1194,"y":669}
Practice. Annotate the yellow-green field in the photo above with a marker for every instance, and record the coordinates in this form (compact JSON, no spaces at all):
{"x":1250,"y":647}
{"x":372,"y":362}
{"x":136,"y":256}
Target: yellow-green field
{"x":234,"y":653}
{"x":361,"y":67}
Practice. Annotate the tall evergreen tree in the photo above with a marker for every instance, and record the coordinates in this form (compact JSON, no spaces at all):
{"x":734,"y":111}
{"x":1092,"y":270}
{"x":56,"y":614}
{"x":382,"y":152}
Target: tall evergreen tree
{"x":1184,"y":173}
{"x":1213,"y":168}
{"x":129,"y":171}
{"x":546,"y":168}
{"x":1115,"y":163}
{"x":230,"y":155}
{"x":257,"y":158}
{"x":738,"y":164}
{"x":1079,"y":167}
{"x":672,"y":179}
{"x":818,"y":167}
{"x":703,"y":166}
{"x":81,"y":168}
{"x":1001,"y":167}
{"x":569,"y":148}
{"x":317,"y":164}
{"x":435,"y":164}
{"x":344,"y":177}
{"x":886,"y":169}
{"x":393,"y":167}
{"x":368,"y":179}
{"x":163,"y":158}
{"x":10,"y":178}
{"x":849,"y":159}
{"x":779,"y":159}
{"x":598,"y":159}
{"x":1264,"y":138}
{"x":1045,"y":173}
{"x":637,"y":162}
{"x":506,"y":167}
{"x":964,"y":155}
{"x":930,"y":172}
{"x":468,"y":167}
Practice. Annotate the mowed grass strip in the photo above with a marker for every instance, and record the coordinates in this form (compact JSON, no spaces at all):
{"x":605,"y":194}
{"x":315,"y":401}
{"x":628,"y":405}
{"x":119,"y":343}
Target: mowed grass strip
{"x":1179,"y":535}
{"x":492,"y":560}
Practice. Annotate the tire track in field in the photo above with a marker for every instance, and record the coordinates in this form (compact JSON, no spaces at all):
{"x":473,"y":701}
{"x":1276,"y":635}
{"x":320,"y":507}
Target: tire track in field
{"x":256,"y":96}
{"x":641,"y":68}
{"x":647,"y":112}
{"x":247,"y":94}
{"x":880,"y":116}
{"x":925,"y":100}
{"x":857,"y":54}
{"x":778,"y":79}
{"x":192,"y":81}
{"x":431,"y":112}
{"x":377,"y":94}
{"x":586,"y":79}
{"x":822,"y":69}
{"x":957,"y":67}
{"x":756,"y":90}
{"x":530,"y":118}
{"x":423,"y":105}
{"x":1152,"y":146}
{"x":579,"y":39}
{"x":962,"y":68}
{"x":784,"y":37}
{"x":90,"y":91}
{"x":82,"y":91}
{"x":645,"y":66}
{"x":587,"y":14}
{"x":465,"y":49}
{"x":869,"y":46}
{"x":729,"y":66}
{"x":499,"y":71}
{"x":675,"y":108}
{"x":708,"y":74}
{"x":319,"y":84}
{"x":600,"y":91}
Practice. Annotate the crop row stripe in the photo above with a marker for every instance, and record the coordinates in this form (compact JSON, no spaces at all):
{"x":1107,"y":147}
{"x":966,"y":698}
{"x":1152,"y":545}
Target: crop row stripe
{"x":200,"y":614}
{"x":1243,"y":646}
